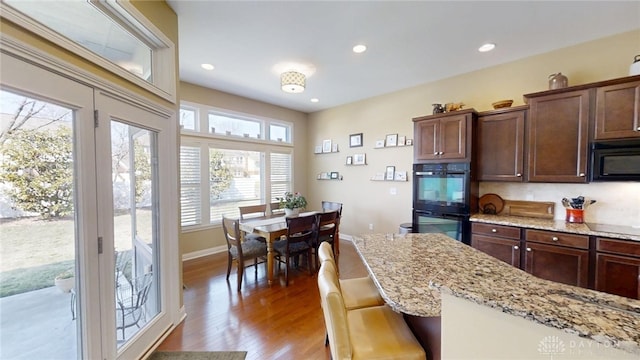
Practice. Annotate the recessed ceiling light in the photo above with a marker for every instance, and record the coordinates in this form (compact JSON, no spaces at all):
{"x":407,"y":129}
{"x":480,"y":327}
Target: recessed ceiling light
{"x":359,"y":49}
{"x":207,"y":66}
{"x":487,"y":47}
{"x":314,"y":100}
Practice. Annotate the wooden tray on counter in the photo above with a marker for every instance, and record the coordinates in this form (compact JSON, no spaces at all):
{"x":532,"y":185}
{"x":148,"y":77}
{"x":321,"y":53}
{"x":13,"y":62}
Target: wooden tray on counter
{"x":535,"y":209}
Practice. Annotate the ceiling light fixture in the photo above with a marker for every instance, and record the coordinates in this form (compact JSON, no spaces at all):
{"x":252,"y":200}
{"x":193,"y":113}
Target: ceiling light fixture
{"x":292,"y":82}
{"x":487,"y":47}
{"x":358,"y":49}
{"x":207,"y":66}
{"x":315,"y":100}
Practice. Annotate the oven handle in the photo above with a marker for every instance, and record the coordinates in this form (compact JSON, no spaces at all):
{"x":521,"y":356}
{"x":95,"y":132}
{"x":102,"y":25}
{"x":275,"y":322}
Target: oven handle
{"x":436,"y":173}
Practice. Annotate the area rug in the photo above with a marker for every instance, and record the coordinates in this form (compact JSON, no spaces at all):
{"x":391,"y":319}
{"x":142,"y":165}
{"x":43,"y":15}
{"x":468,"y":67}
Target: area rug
{"x":198,"y":355}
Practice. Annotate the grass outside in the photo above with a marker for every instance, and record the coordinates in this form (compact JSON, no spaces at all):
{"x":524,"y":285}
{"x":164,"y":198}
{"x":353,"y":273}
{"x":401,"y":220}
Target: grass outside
{"x":34,"y":251}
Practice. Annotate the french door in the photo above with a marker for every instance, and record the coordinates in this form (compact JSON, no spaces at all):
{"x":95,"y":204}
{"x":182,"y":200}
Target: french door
{"x":116,"y":175}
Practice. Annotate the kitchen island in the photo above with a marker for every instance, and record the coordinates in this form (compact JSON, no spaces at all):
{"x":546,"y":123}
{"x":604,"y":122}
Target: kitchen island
{"x":422,"y":275}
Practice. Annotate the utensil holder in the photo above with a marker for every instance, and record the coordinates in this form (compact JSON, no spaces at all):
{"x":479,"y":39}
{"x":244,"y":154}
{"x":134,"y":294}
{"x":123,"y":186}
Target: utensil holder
{"x":575,"y":216}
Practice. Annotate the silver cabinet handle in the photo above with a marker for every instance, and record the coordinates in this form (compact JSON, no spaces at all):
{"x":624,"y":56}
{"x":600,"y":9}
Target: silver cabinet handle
{"x":440,"y":153}
{"x":555,"y":238}
{"x":435,"y":153}
{"x":528,"y":249}
{"x":519,"y":175}
{"x":581,"y":174}
{"x":638,"y":128}
{"x":494,"y":230}
{"x":516,"y":247}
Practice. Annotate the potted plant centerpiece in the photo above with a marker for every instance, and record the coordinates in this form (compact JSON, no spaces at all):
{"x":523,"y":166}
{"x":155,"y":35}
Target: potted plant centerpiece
{"x":65,"y":280}
{"x":292,"y":203}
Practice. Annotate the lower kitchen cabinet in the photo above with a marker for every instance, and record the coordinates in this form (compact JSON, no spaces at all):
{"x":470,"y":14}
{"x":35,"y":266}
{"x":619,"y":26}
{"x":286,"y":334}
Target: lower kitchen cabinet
{"x":618,"y":267}
{"x":604,"y":264}
{"x":558,"y":263}
{"x":557,"y":256}
{"x":501,"y":242}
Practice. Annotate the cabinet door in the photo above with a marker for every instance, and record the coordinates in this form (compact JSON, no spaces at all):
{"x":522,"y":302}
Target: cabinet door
{"x":618,"y":111}
{"x":558,"y":137}
{"x":502,"y":249}
{"x":619,"y":275}
{"x":452,"y":137}
{"x":558,"y":263}
{"x":501,"y":147}
{"x":426,"y":141}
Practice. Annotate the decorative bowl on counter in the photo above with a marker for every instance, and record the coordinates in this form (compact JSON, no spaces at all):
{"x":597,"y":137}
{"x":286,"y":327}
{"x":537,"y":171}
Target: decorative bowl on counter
{"x":502,"y":104}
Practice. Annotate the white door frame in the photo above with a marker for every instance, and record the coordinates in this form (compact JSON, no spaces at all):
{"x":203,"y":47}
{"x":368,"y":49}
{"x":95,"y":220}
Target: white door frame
{"x":170,"y":256}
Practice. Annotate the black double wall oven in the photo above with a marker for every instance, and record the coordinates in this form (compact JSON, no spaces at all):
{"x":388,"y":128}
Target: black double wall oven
{"x":444,"y":196}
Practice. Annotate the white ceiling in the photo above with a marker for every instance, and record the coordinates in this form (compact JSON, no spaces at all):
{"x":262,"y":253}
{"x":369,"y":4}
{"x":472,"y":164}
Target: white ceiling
{"x":409,"y":42}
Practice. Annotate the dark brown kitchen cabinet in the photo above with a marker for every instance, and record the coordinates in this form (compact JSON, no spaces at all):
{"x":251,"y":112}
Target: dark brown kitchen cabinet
{"x":500,"y":144}
{"x":557,"y":128}
{"x":618,"y":267}
{"x":618,"y":111}
{"x":443,"y":137}
{"x":501,"y":242}
{"x":558,"y":257}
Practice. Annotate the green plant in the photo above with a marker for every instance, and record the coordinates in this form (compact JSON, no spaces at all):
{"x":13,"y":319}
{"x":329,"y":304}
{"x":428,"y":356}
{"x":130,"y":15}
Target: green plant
{"x":39,"y":167}
{"x":292,"y":201}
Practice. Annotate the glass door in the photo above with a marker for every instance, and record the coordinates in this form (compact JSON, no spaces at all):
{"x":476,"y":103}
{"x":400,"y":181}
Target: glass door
{"x":128,"y":138}
{"x":47,"y":214}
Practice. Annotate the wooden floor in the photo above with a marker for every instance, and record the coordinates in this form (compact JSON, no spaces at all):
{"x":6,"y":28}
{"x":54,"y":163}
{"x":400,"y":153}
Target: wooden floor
{"x":274,"y":322}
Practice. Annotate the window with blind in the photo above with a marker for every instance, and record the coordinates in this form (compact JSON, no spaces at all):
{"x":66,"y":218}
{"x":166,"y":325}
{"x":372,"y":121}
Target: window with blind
{"x":221,"y":170}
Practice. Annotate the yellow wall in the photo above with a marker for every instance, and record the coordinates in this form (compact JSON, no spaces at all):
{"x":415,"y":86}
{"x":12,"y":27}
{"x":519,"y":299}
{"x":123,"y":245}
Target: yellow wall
{"x":195,"y":241}
{"x":367,"y":202}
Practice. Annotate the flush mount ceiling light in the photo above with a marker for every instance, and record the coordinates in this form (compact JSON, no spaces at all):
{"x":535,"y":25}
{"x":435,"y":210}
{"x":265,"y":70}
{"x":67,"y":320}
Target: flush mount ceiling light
{"x":358,"y":49}
{"x":292,"y":82}
{"x":207,"y":66}
{"x":487,"y":47}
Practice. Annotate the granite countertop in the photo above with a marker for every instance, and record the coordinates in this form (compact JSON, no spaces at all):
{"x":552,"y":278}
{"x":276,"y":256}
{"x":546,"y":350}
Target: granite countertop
{"x":411,"y":270}
{"x":612,"y":231}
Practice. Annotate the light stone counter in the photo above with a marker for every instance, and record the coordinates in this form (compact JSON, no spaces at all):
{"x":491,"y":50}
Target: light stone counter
{"x":617,"y":232}
{"x":411,"y":270}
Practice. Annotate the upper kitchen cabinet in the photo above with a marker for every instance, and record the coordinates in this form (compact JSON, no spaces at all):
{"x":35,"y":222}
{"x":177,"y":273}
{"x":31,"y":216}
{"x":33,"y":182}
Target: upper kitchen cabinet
{"x":618,"y":111}
{"x":443,"y":137}
{"x":500,"y":144}
{"x":557,"y":131}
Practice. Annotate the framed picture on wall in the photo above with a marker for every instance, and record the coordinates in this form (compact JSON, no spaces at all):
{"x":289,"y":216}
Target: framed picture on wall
{"x":379,"y":144}
{"x":355,"y":140}
{"x":359,"y":159}
{"x":392,"y":140}
{"x":326,"y":146}
{"x":409,"y":142}
{"x":390,"y":173}
{"x":334,"y":174}
{"x":401,"y":140}
{"x":349,"y":160}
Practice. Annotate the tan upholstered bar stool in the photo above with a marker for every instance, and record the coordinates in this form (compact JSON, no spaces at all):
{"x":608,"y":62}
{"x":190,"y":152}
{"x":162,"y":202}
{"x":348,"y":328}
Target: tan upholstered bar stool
{"x":358,"y":292}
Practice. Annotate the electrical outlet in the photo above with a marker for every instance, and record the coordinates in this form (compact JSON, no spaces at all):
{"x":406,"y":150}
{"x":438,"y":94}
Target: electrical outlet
{"x":370,"y":226}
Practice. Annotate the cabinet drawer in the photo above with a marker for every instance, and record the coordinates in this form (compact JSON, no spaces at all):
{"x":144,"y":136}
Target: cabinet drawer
{"x":622,"y":247}
{"x":496,"y":230}
{"x":557,"y":238}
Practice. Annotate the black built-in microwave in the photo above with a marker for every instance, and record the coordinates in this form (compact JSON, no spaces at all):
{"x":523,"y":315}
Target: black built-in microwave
{"x":615,"y":160}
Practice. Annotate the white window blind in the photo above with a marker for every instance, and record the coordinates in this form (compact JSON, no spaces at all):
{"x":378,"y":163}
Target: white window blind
{"x":190,"y":183}
{"x":280,"y":174}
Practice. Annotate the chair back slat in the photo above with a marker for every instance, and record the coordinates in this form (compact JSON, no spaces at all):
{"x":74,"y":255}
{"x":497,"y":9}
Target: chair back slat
{"x":274,"y":207}
{"x":252,"y":211}
{"x":231,"y":229}
{"x":301,"y":228}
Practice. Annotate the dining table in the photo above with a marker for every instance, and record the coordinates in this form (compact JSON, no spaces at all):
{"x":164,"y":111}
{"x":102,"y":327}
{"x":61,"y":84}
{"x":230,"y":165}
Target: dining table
{"x":272,"y":228}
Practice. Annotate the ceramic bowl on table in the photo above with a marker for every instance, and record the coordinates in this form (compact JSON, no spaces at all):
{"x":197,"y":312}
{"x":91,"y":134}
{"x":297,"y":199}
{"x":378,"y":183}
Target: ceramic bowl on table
{"x":502,"y":104}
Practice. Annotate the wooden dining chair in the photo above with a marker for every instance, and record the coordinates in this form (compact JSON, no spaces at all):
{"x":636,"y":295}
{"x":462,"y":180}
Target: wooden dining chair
{"x":331,"y":205}
{"x":251,"y":211}
{"x":301,"y":231}
{"x":241,"y":251}
{"x":275,"y":209}
{"x":327,"y":227}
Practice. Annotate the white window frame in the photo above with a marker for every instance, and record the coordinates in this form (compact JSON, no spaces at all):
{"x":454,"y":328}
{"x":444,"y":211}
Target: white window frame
{"x":162,"y":48}
{"x":206,"y":140}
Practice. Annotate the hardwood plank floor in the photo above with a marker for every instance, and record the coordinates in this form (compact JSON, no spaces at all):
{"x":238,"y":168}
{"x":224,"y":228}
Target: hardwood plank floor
{"x":274,"y":322}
